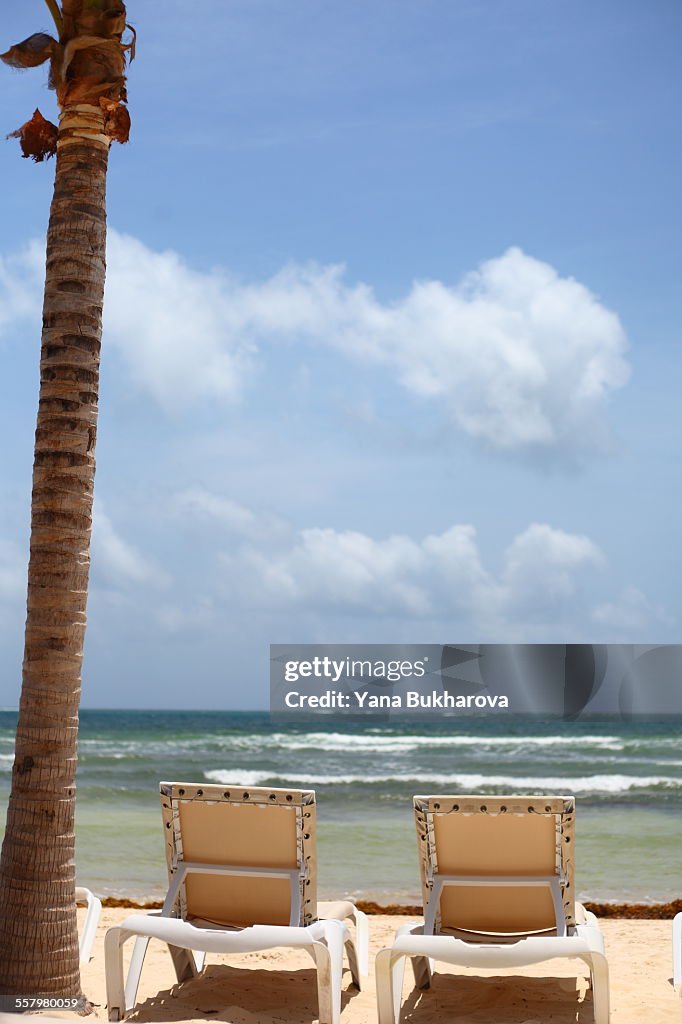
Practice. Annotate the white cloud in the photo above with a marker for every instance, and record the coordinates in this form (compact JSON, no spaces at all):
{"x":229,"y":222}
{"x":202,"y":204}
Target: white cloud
{"x":345,"y":570}
{"x":441,"y":576}
{"x":119,"y":563}
{"x":21,"y":277}
{"x":519,"y":357}
{"x":198,"y":505}
{"x":523,"y":357}
{"x":174,"y":326}
{"x":206,"y":506}
{"x":540,"y":564}
{"x":632,"y":615}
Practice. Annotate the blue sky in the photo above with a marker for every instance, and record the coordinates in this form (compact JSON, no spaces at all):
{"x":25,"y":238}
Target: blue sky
{"x":392,"y":342}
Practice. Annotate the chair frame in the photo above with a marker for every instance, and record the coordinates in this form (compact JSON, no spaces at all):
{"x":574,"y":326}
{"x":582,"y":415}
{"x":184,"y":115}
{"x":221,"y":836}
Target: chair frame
{"x":86,"y":898}
{"x":324,"y":940}
{"x":677,"y":954}
{"x":424,"y":944}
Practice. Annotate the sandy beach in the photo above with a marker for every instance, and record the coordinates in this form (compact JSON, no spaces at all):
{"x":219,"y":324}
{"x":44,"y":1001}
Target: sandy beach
{"x":279,"y":986}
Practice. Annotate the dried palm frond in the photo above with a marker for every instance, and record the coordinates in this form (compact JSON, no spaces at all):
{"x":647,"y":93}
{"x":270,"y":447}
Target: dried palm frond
{"x":116,"y":120}
{"x":87,"y":65}
{"x":37,"y":138}
{"x":31,"y":52}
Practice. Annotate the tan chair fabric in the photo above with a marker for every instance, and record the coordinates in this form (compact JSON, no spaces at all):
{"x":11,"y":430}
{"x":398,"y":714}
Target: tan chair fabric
{"x":496,"y":836}
{"x":253,"y":828}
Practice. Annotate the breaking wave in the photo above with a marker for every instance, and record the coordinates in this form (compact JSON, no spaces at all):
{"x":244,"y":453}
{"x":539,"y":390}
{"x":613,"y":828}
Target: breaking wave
{"x":464,"y":781}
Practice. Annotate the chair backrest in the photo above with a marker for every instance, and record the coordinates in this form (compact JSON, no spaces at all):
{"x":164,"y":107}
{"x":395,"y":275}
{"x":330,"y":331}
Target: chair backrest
{"x":243,"y":855}
{"x":498,"y":866}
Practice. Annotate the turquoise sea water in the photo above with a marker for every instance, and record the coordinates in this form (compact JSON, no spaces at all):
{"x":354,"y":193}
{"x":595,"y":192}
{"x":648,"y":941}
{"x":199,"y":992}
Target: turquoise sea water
{"x":626,"y":776}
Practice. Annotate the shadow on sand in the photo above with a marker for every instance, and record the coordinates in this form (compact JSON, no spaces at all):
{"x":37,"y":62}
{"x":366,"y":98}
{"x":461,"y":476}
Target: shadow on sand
{"x":253,"y":996}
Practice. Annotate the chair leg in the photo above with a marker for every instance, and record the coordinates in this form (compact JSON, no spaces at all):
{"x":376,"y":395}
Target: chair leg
{"x":113,"y":967}
{"x":398,"y":972}
{"x":421,"y":966}
{"x":135,"y":970}
{"x":325,"y":999}
{"x":362,"y":937}
{"x":352,"y":955}
{"x":183,"y":962}
{"x":677,"y":954}
{"x":389,"y":970}
{"x":334,"y":935}
{"x":599,"y":973}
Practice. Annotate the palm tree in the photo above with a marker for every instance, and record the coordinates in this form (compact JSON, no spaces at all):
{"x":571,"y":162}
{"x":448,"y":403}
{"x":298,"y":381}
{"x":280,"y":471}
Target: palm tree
{"x":38,"y":937}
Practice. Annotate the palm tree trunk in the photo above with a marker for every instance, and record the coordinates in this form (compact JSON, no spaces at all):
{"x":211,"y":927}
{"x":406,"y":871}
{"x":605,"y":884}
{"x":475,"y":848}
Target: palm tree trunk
{"x":38,"y":936}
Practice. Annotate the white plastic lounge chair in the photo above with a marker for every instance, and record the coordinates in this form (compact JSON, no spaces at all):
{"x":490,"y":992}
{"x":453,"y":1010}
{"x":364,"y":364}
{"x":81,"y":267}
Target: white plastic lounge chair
{"x":677,"y":953}
{"x":497,"y":885}
{"x":242,"y":877}
{"x":85,"y":898}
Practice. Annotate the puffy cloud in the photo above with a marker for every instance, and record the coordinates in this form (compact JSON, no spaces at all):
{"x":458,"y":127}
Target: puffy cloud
{"x":631,"y":615}
{"x":346,"y":570}
{"x":174,"y":326}
{"x":441,"y":576}
{"x":117,"y":562}
{"x":21,"y":277}
{"x":520,"y":357}
{"x":523,"y":357}
{"x":540,"y":563}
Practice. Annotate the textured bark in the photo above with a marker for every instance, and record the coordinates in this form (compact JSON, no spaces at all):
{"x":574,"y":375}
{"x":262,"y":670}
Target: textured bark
{"x":38,"y":936}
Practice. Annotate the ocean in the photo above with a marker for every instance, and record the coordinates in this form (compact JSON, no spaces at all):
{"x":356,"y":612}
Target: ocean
{"x":626,"y":776}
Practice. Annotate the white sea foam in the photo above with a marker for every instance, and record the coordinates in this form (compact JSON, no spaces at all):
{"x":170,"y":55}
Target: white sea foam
{"x":395,"y":742}
{"x":239,"y":777}
{"x":468,"y":782}
{"x":371,"y":741}
{"x":341,"y":741}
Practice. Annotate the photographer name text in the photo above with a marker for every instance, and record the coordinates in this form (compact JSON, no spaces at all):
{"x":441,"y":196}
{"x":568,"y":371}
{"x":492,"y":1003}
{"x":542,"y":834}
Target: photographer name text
{"x":410,"y":700}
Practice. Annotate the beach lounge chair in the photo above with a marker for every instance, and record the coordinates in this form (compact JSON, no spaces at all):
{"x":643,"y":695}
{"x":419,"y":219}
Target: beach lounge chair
{"x":497,"y":886}
{"x":677,"y":953}
{"x":85,"y":898}
{"x":242,"y":877}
